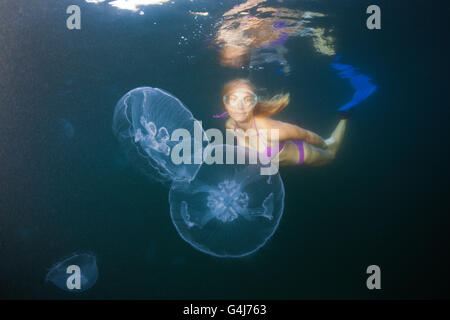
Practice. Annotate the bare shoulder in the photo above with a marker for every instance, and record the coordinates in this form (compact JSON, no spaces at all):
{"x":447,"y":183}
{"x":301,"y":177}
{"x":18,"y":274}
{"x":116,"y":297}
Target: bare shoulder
{"x":268,"y":123}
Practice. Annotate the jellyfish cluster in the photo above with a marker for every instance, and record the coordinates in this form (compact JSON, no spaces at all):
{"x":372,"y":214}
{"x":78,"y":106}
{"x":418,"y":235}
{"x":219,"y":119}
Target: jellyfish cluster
{"x":227,"y":210}
{"x":222,"y":209}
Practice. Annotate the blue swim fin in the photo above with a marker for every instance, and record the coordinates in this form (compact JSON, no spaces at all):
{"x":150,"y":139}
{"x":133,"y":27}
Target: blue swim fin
{"x":361,"y":83}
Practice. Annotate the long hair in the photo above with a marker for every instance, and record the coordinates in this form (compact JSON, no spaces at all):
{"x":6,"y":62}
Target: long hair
{"x":264,"y":107}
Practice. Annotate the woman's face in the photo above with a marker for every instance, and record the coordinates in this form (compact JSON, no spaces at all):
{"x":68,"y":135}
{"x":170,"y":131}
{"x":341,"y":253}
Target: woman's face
{"x":240,"y":103}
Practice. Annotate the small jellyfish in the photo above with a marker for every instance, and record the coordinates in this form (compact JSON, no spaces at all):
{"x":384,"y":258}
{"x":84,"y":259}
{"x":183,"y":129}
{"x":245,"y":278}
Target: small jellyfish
{"x":228,"y":210}
{"x":27,"y":233}
{"x":66,"y":128}
{"x":75,"y":274}
{"x":144,"y":122}
{"x":65,"y":92}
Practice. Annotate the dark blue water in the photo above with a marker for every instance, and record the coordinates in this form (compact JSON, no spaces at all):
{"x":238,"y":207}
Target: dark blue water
{"x":65,"y":186}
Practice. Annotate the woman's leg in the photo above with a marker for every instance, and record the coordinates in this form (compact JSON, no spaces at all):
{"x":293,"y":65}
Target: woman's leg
{"x":289,"y":155}
{"x":313,"y":156}
{"x":335,"y":141}
{"x":316,"y":157}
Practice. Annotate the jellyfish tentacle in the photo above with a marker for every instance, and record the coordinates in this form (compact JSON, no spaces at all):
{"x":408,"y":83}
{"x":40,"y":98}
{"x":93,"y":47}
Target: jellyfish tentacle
{"x":188,"y":219}
{"x":266,"y":211}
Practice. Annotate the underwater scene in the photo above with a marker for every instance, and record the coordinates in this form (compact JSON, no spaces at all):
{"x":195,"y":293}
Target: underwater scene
{"x":234,"y":149}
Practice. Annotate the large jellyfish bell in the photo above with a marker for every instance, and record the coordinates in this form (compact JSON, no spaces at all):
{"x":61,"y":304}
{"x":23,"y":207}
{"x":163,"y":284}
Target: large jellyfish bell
{"x":228,"y":210}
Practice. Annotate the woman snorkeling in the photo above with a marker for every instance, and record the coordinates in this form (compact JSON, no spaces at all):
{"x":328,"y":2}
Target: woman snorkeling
{"x":296,"y":145}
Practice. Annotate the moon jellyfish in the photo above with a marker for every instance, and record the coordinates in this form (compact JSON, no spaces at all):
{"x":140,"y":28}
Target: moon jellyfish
{"x":228,"y":210}
{"x":75,"y":274}
{"x":144,"y":122}
{"x":27,"y":233}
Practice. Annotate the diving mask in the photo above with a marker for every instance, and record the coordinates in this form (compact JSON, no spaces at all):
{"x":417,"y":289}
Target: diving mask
{"x":240,"y":98}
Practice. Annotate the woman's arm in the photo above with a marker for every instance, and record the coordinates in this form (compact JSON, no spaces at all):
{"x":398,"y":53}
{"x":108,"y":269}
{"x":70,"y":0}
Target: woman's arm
{"x":314,"y":139}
